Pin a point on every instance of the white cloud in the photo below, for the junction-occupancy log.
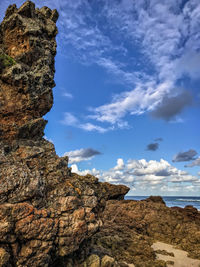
(146, 175)
(143, 98)
(146, 45)
(120, 164)
(71, 120)
(75, 169)
(67, 94)
(189, 64)
(81, 155)
(161, 33)
(89, 127)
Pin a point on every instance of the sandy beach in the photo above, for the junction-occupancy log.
(180, 257)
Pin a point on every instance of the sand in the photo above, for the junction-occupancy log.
(180, 258)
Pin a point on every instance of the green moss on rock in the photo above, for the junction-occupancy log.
(6, 61)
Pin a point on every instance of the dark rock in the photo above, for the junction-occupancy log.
(155, 199)
(116, 191)
(164, 252)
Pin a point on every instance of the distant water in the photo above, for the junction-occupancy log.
(174, 201)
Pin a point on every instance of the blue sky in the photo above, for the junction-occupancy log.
(126, 101)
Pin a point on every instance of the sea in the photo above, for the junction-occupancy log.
(178, 201)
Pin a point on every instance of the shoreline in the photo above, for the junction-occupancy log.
(173, 201)
(173, 256)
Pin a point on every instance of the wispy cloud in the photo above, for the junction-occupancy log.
(146, 45)
(67, 94)
(81, 154)
(143, 98)
(163, 35)
(71, 120)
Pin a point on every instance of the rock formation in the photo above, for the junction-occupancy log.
(50, 216)
(45, 210)
(129, 228)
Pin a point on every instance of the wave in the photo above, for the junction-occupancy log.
(188, 200)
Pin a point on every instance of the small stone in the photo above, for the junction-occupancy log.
(107, 261)
(93, 261)
(54, 15)
(4, 257)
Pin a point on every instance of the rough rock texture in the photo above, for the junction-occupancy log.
(28, 41)
(130, 227)
(45, 210)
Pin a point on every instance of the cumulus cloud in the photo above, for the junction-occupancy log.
(185, 156)
(170, 107)
(145, 175)
(81, 155)
(75, 169)
(120, 164)
(152, 147)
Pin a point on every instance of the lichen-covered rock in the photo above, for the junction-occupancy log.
(107, 261)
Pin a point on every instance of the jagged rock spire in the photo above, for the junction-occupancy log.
(27, 51)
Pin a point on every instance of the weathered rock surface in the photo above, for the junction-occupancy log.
(28, 41)
(131, 227)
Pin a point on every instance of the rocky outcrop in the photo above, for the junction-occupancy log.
(45, 210)
(129, 228)
(27, 51)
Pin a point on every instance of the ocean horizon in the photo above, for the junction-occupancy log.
(171, 201)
